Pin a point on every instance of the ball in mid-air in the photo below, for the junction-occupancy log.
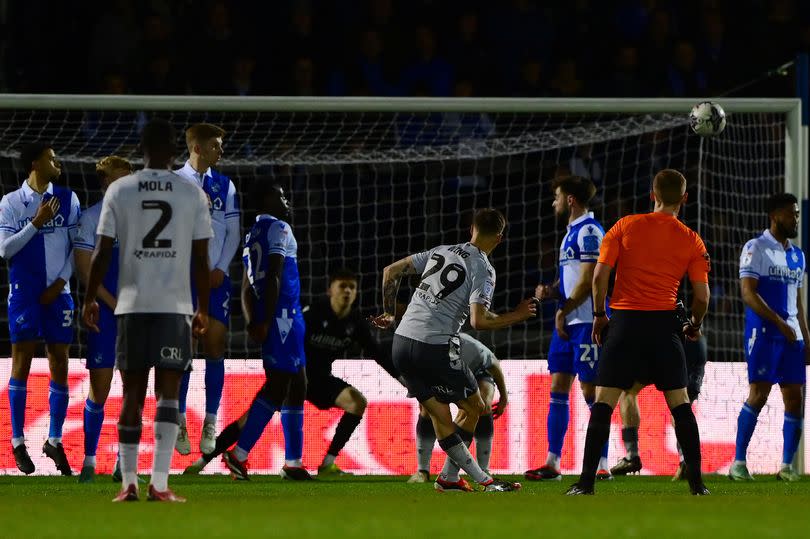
(707, 119)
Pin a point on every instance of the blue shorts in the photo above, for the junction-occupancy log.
(30, 321)
(577, 355)
(219, 301)
(101, 345)
(772, 359)
(284, 348)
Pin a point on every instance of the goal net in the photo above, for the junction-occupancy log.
(374, 180)
(372, 186)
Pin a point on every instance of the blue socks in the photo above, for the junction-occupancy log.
(292, 421)
(181, 399)
(17, 393)
(746, 423)
(557, 422)
(792, 433)
(260, 414)
(214, 382)
(93, 421)
(58, 405)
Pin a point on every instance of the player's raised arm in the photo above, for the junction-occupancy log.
(481, 318)
(392, 276)
(11, 239)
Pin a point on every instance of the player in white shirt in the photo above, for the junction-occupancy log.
(37, 226)
(772, 269)
(162, 225)
(457, 281)
(204, 143)
(487, 372)
(100, 356)
(572, 353)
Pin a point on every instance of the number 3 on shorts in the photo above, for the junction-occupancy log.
(67, 319)
(589, 350)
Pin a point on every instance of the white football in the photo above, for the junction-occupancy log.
(707, 119)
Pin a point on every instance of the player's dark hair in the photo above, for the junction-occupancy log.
(31, 152)
(159, 138)
(669, 185)
(342, 274)
(489, 221)
(262, 188)
(579, 187)
(780, 200)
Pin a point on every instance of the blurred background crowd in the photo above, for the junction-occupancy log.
(564, 48)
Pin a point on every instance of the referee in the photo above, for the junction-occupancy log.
(643, 342)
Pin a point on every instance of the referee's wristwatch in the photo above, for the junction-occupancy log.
(599, 314)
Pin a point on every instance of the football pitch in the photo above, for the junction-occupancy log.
(387, 507)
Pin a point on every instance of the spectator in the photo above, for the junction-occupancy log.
(428, 72)
(626, 80)
(566, 81)
(684, 78)
(531, 82)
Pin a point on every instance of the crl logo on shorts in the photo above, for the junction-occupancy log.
(170, 352)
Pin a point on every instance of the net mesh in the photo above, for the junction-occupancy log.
(369, 188)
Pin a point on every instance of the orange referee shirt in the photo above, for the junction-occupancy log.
(651, 253)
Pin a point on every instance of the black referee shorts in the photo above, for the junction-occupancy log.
(645, 347)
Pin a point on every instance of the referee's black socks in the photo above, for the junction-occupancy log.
(598, 434)
(686, 430)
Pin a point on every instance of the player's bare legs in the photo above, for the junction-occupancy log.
(214, 347)
(557, 424)
(269, 400)
(134, 383)
(100, 382)
(455, 438)
(21, 355)
(425, 440)
(631, 419)
(353, 404)
(485, 428)
(746, 423)
(792, 429)
(166, 425)
(686, 431)
(58, 405)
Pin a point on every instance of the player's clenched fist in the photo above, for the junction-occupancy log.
(527, 308)
(90, 315)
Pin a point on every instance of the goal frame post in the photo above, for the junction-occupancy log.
(796, 130)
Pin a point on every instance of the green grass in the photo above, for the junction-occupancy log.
(386, 507)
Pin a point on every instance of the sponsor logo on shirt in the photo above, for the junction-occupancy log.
(141, 254)
(784, 273)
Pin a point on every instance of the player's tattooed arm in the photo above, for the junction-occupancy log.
(392, 275)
